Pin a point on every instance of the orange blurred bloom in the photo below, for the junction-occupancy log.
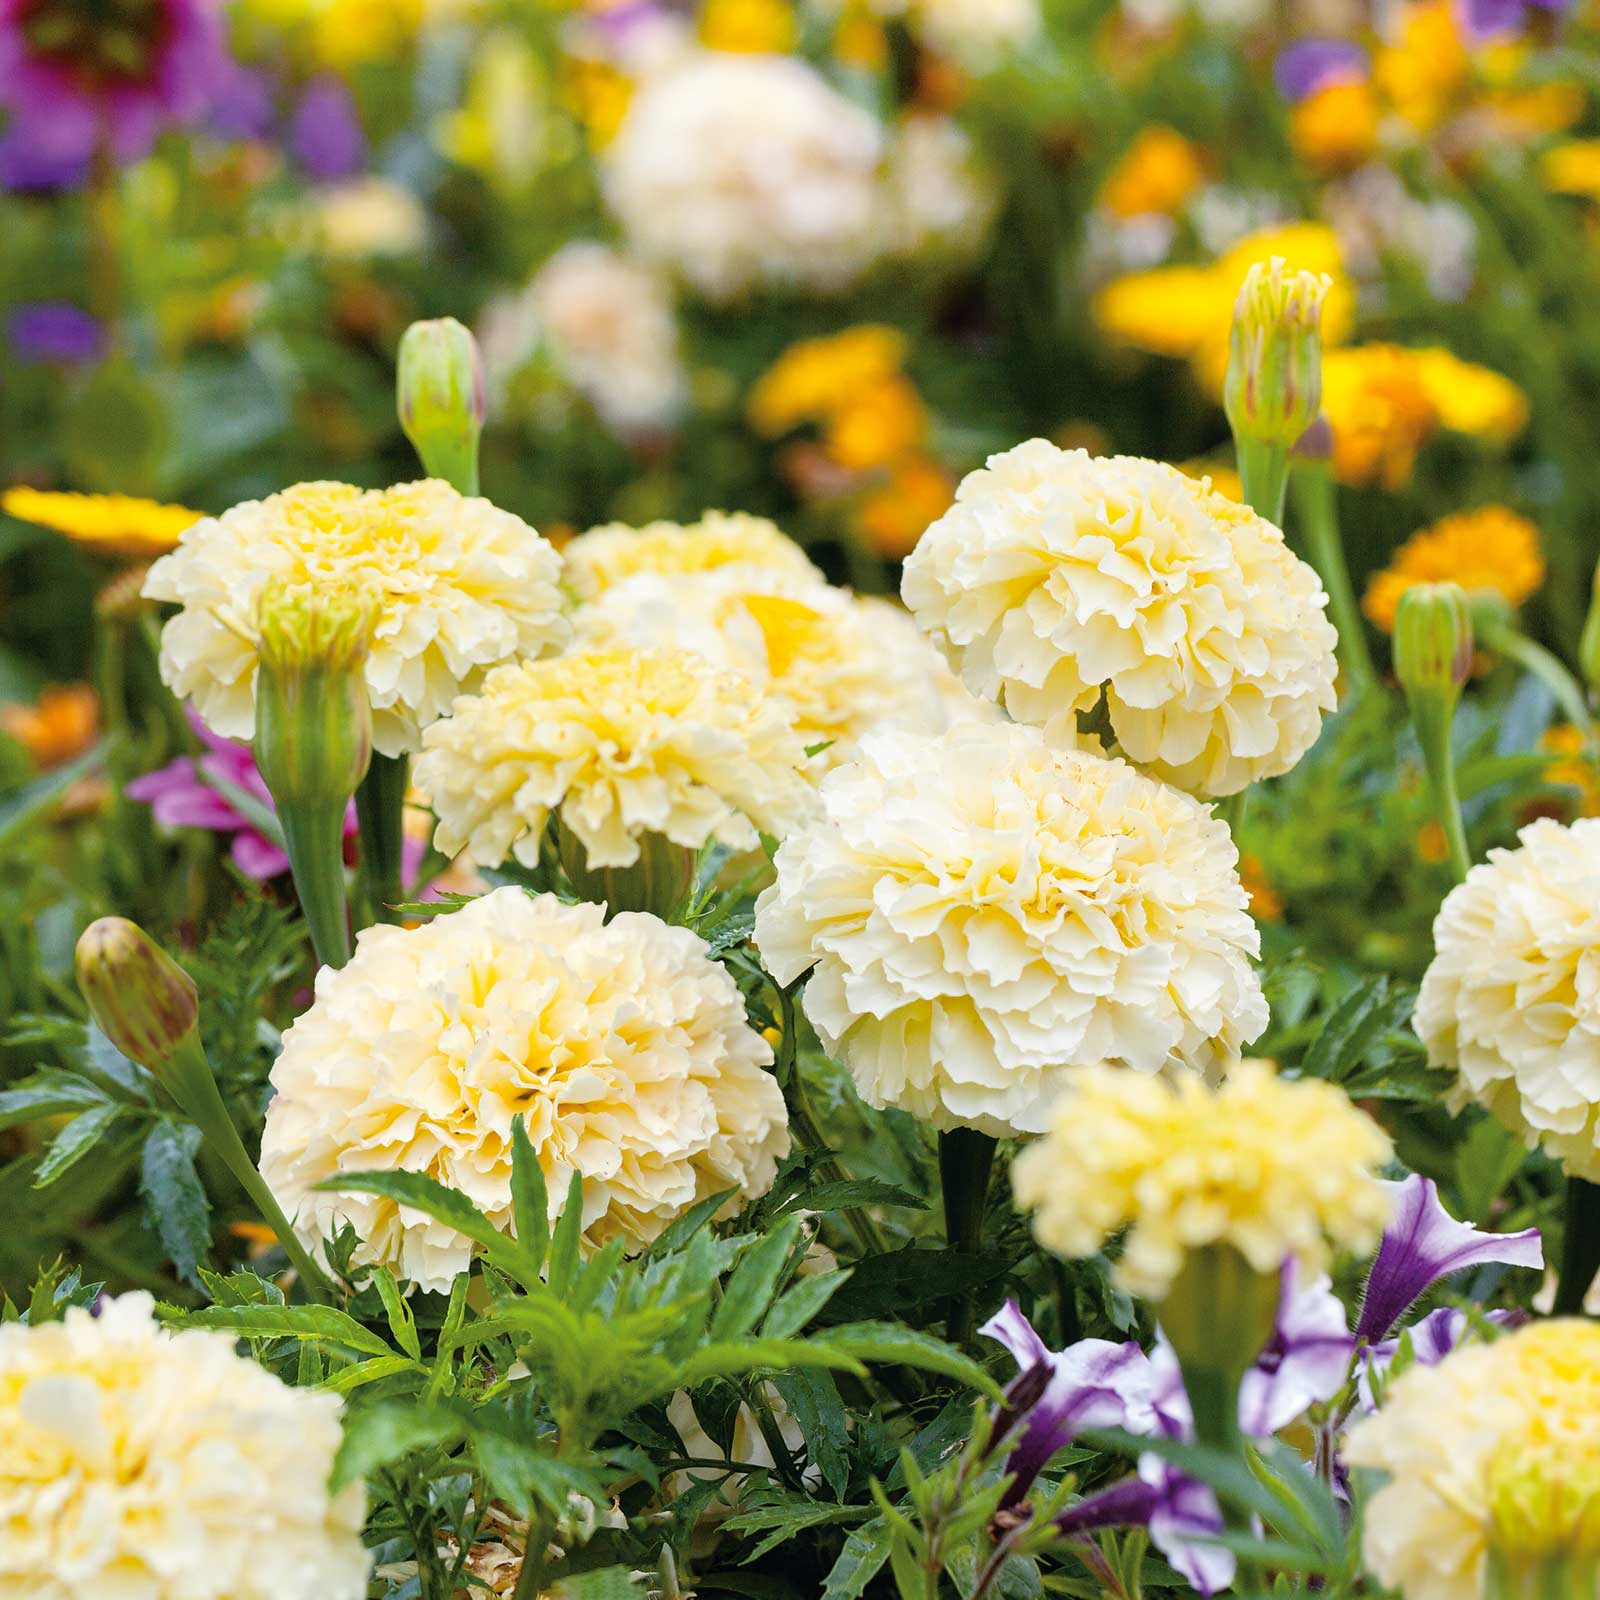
(61, 725)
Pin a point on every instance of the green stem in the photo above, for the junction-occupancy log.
(313, 836)
(1316, 505)
(1232, 810)
(1547, 668)
(966, 1158)
(380, 814)
(1433, 734)
(1580, 1250)
(1263, 476)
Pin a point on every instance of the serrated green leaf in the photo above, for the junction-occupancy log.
(75, 1141)
(861, 1560)
(738, 1356)
(326, 1323)
(43, 1096)
(564, 1241)
(530, 1198)
(604, 1583)
(365, 1372)
(377, 1436)
(1354, 1023)
(689, 1224)
(801, 1301)
(749, 1291)
(175, 1200)
(909, 1347)
(401, 1322)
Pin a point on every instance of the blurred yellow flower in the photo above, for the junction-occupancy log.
(893, 516)
(1490, 549)
(1336, 127)
(62, 724)
(876, 425)
(1422, 72)
(1472, 399)
(342, 33)
(1224, 476)
(1540, 108)
(1266, 904)
(1169, 311)
(1573, 765)
(115, 524)
(861, 42)
(1156, 174)
(762, 26)
(1572, 168)
(599, 95)
(1380, 411)
(813, 377)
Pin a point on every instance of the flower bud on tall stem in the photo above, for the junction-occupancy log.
(441, 399)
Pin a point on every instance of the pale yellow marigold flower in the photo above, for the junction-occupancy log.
(984, 917)
(116, 524)
(458, 584)
(1058, 577)
(1511, 1000)
(1492, 1455)
(1271, 1167)
(1489, 550)
(620, 742)
(622, 1044)
(606, 555)
(138, 1462)
(1157, 174)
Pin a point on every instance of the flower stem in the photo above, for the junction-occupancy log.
(1263, 476)
(1438, 754)
(1580, 1251)
(380, 812)
(1316, 506)
(966, 1158)
(1547, 668)
(313, 836)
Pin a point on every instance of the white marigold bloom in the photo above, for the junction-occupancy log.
(984, 914)
(940, 195)
(365, 217)
(620, 742)
(843, 665)
(1058, 576)
(1511, 1000)
(980, 34)
(1493, 1453)
(742, 171)
(623, 1045)
(606, 555)
(458, 584)
(609, 327)
(151, 1465)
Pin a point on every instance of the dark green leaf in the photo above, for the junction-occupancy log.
(801, 1302)
(75, 1141)
(749, 1291)
(530, 1199)
(888, 1341)
(564, 1241)
(861, 1560)
(325, 1323)
(377, 1436)
(175, 1200)
(46, 1096)
(401, 1323)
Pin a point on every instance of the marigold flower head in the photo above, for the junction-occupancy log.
(620, 742)
(116, 524)
(877, 427)
(1489, 550)
(1511, 1000)
(1380, 410)
(1573, 765)
(622, 1044)
(610, 554)
(753, 26)
(892, 516)
(60, 725)
(1272, 1167)
(1472, 399)
(815, 376)
(1156, 174)
(1423, 71)
(984, 917)
(1572, 167)
(141, 1462)
(1058, 578)
(1336, 127)
(1492, 1456)
(456, 583)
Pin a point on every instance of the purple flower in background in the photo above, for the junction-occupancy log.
(54, 333)
(243, 105)
(27, 165)
(1488, 19)
(1424, 1243)
(325, 132)
(1311, 64)
(1432, 1338)
(77, 78)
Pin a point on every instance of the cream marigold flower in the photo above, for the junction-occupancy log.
(1493, 1452)
(117, 524)
(1489, 550)
(606, 555)
(138, 1462)
(620, 742)
(1511, 1000)
(743, 171)
(1270, 1167)
(1058, 577)
(622, 1044)
(986, 916)
(457, 584)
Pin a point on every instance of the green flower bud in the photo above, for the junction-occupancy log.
(1589, 644)
(1274, 384)
(144, 1002)
(1433, 643)
(441, 398)
(660, 881)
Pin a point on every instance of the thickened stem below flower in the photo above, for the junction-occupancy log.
(1580, 1252)
(1316, 505)
(313, 836)
(1263, 476)
(966, 1158)
(1438, 754)
(380, 807)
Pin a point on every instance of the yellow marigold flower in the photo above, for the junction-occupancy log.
(860, 41)
(1493, 1460)
(620, 742)
(61, 725)
(1156, 174)
(1488, 550)
(894, 515)
(1169, 311)
(117, 524)
(1572, 168)
(762, 26)
(1573, 765)
(1471, 399)
(1536, 110)
(814, 377)
(1272, 1167)
(876, 426)
(606, 555)
(599, 95)
(1380, 410)
(1425, 69)
(1336, 127)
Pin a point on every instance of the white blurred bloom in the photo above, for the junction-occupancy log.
(983, 915)
(980, 34)
(622, 1044)
(367, 216)
(151, 1465)
(940, 196)
(1375, 214)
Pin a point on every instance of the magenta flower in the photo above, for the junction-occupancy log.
(78, 78)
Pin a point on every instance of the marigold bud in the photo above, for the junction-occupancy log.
(1433, 642)
(442, 400)
(144, 1002)
(1274, 384)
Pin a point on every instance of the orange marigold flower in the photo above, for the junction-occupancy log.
(892, 517)
(877, 425)
(62, 724)
(1266, 904)
(1336, 127)
(1573, 764)
(1380, 411)
(1488, 550)
(1156, 174)
(815, 377)
(1472, 399)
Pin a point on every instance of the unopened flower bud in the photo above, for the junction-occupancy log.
(1274, 384)
(1433, 642)
(144, 1002)
(313, 738)
(1315, 445)
(442, 401)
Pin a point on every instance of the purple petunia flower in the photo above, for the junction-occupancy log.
(1305, 1361)
(325, 132)
(1308, 65)
(1424, 1243)
(1490, 19)
(242, 107)
(54, 333)
(75, 83)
